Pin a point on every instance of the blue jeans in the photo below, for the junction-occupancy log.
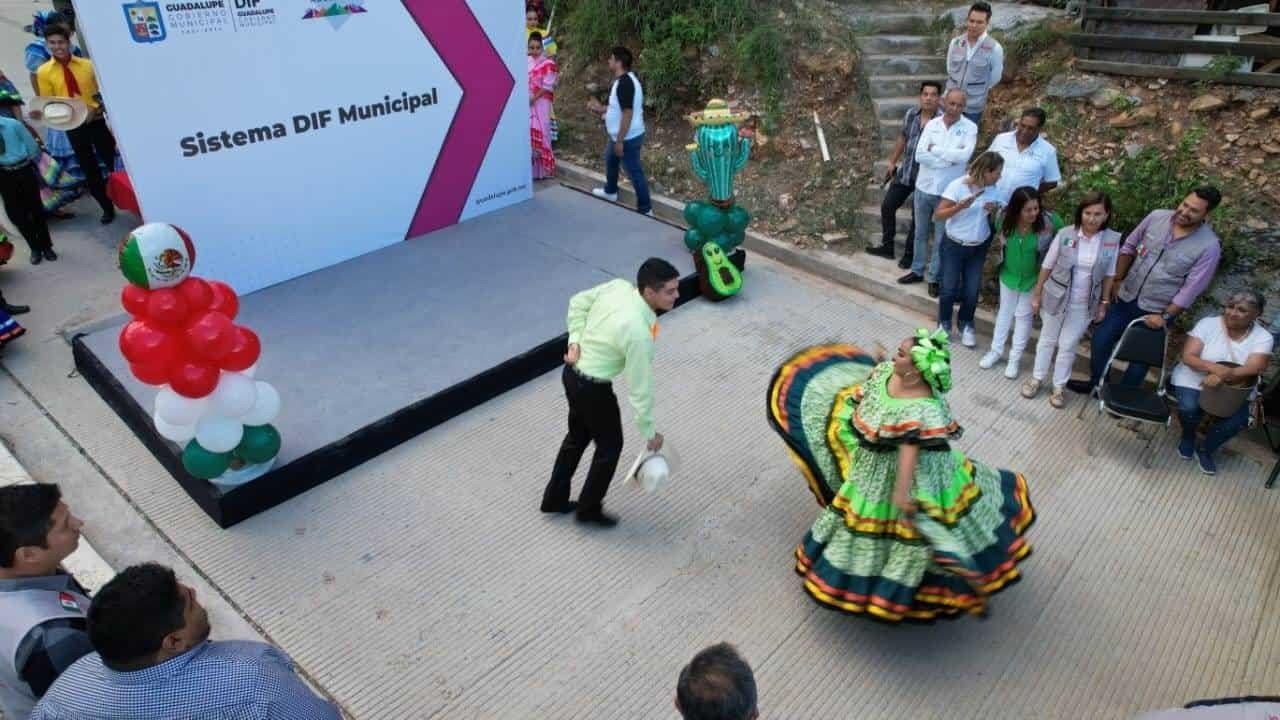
(1222, 430)
(961, 280)
(630, 161)
(1105, 337)
(924, 205)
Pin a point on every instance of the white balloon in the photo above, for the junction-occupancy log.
(176, 433)
(218, 434)
(266, 408)
(179, 410)
(234, 396)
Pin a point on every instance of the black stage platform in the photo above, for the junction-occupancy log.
(374, 351)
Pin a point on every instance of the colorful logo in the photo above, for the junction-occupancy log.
(336, 13)
(146, 25)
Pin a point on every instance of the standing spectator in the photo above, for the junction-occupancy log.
(717, 685)
(66, 75)
(154, 661)
(1029, 160)
(967, 206)
(975, 61)
(542, 84)
(1023, 237)
(20, 187)
(902, 177)
(612, 329)
(1073, 290)
(944, 149)
(533, 23)
(1166, 262)
(42, 609)
(1229, 348)
(67, 183)
(624, 124)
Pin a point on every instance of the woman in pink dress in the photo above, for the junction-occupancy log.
(542, 83)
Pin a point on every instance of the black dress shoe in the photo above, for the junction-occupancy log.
(598, 517)
(933, 290)
(910, 279)
(564, 509)
(50, 255)
(108, 217)
(37, 257)
(14, 309)
(905, 262)
(1081, 387)
(884, 251)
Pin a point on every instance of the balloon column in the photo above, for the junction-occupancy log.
(718, 226)
(183, 339)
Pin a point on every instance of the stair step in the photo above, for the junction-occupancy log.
(873, 22)
(897, 44)
(935, 65)
(897, 85)
(894, 108)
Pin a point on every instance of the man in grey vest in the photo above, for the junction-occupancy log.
(43, 629)
(1166, 263)
(975, 62)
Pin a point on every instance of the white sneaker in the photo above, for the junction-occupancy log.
(969, 338)
(1011, 370)
(989, 360)
(600, 193)
(648, 214)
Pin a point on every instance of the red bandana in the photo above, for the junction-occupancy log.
(73, 87)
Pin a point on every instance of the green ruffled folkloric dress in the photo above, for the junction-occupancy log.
(831, 406)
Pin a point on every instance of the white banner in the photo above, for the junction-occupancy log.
(289, 135)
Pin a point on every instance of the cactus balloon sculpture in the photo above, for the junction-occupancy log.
(719, 225)
(182, 339)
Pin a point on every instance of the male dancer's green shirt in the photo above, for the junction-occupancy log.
(614, 329)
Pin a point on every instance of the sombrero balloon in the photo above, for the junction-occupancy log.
(157, 255)
(717, 112)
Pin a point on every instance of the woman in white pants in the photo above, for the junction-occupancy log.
(1022, 239)
(1072, 291)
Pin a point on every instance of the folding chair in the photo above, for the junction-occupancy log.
(1267, 413)
(1138, 344)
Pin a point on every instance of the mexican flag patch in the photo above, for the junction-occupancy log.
(68, 602)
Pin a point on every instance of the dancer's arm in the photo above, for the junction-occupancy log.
(908, 455)
(640, 381)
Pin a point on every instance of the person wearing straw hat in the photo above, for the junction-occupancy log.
(66, 76)
(20, 187)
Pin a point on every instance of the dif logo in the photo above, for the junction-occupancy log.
(146, 24)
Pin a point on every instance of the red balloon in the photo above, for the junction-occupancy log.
(210, 336)
(224, 299)
(193, 378)
(244, 352)
(150, 374)
(134, 300)
(141, 341)
(196, 292)
(167, 307)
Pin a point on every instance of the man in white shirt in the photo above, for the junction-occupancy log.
(975, 61)
(1029, 160)
(943, 152)
(624, 124)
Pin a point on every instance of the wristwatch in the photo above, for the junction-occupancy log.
(1166, 317)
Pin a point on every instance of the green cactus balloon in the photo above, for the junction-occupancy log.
(718, 153)
(718, 226)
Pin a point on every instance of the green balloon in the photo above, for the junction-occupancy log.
(204, 464)
(691, 214)
(738, 220)
(693, 239)
(710, 221)
(260, 443)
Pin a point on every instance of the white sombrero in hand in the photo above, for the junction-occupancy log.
(59, 113)
(651, 470)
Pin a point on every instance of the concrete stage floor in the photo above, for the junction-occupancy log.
(425, 584)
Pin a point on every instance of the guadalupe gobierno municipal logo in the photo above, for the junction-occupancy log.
(146, 24)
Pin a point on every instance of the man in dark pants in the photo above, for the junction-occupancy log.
(624, 124)
(65, 75)
(612, 328)
(902, 178)
(20, 187)
(1165, 264)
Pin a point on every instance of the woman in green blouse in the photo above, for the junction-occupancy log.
(1024, 235)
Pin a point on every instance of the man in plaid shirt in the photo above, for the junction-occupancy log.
(42, 609)
(154, 661)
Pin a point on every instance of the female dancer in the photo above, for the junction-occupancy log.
(542, 83)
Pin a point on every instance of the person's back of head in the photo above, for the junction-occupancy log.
(654, 273)
(143, 617)
(717, 685)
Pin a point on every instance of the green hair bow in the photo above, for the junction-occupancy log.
(932, 358)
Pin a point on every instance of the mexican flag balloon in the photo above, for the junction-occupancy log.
(183, 339)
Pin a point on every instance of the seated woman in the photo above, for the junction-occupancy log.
(1229, 348)
(910, 527)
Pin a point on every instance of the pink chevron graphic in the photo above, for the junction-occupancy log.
(456, 34)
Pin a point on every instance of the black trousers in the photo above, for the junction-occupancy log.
(593, 417)
(20, 190)
(894, 198)
(93, 142)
